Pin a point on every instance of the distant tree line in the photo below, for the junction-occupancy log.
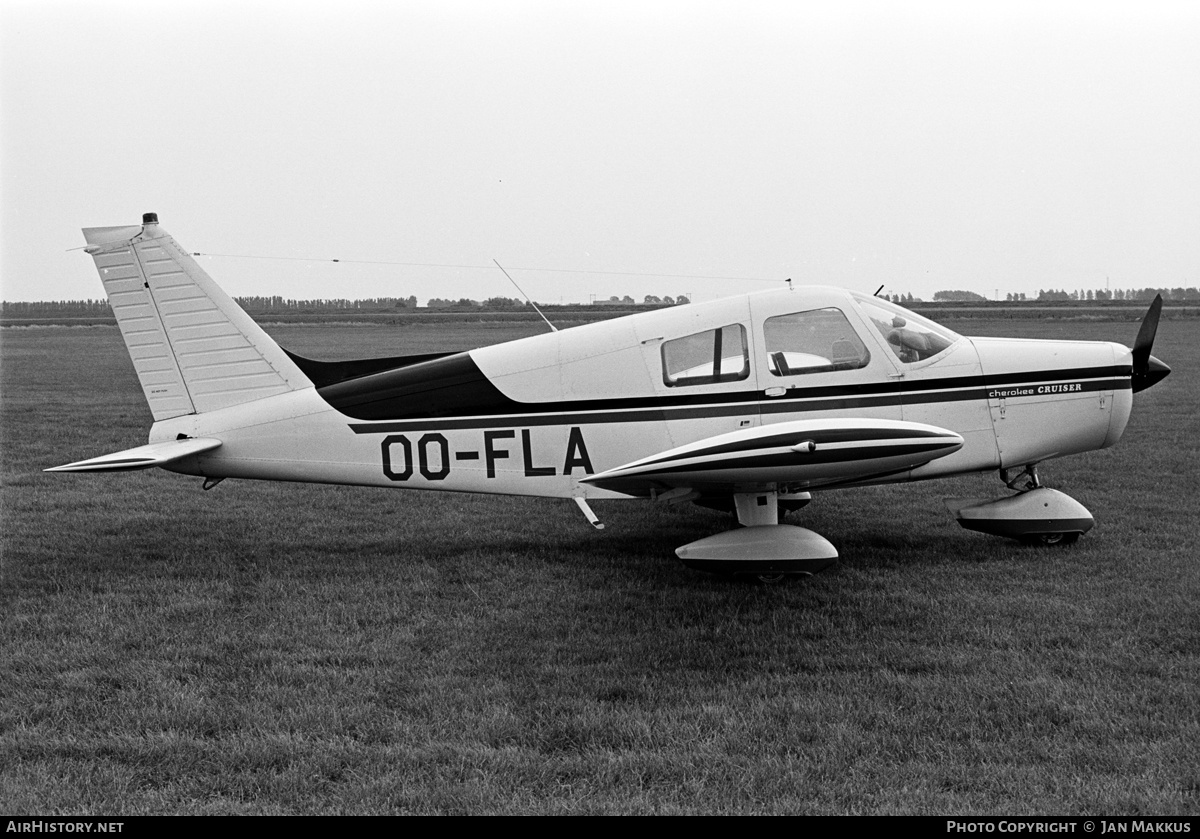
(648, 300)
(1101, 294)
(267, 305)
(466, 303)
(57, 308)
(253, 305)
(1050, 295)
(280, 305)
(958, 297)
(287, 306)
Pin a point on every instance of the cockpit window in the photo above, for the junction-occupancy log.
(911, 337)
(813, 342)
(718, 355)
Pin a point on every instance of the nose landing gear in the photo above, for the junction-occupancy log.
(1036, 515)
(1027, 474)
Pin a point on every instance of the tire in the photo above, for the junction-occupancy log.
(1053, 539)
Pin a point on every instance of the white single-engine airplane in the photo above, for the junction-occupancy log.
(750, 404)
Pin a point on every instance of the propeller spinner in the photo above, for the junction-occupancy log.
(1148, 370)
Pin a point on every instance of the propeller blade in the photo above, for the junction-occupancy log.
(1148, 370)
(1145, 337)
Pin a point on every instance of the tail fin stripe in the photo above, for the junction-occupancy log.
(183, 310)
(130, 333)
(204, 359)
(224, 366)
(222, 387)
(181, 292)
(206, 343)
(198, 322)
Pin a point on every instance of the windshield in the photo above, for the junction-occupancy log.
(911, 337)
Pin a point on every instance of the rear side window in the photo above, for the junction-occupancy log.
(813, 342)
(718, 355)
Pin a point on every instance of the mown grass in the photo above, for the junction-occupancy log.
(273, 648)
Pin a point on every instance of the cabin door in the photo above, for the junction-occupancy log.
(816, 362)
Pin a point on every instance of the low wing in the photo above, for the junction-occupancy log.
(143, 457)
(801, 453)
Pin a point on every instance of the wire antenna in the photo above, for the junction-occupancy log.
(528, 300)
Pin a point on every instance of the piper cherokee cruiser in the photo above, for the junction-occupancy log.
(752, 403)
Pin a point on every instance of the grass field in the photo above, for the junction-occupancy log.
(275, 648)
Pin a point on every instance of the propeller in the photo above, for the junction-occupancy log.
(1148, 370)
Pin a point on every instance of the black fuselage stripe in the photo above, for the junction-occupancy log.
(452, 388)
(750, 402)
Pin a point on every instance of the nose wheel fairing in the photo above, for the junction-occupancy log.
(1041, 515)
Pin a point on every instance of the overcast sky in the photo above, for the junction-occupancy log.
(632, 148)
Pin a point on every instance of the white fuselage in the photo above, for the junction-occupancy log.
(553, 409)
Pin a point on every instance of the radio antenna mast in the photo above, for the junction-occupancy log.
(553, 328)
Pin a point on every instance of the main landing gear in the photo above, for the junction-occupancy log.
(1036, 515)
(770, 551)
(762, 547)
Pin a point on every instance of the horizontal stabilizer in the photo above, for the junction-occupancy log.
(143, 457)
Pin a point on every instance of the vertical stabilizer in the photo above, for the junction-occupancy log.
(194, 349)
